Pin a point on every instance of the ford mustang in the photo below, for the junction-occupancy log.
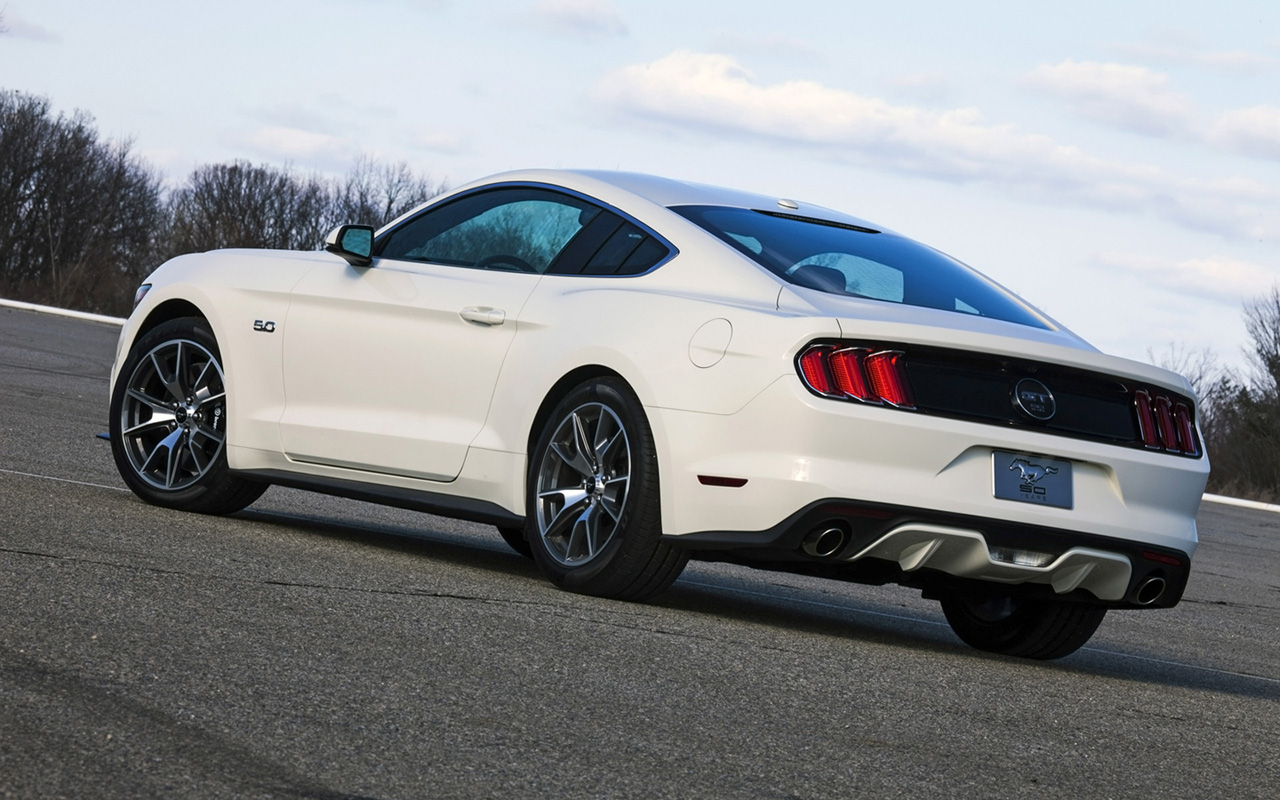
(621, 372)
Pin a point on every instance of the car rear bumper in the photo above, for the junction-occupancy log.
(916, 492)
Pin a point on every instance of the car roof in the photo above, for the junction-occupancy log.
(667, 192)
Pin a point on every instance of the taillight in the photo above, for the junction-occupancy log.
(813, 368)
(1164, 425)
(848, 371)
(857, 373)
(888, 374)
(1186, 430)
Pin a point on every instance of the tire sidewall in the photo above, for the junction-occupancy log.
(637, 530)
(186, 328)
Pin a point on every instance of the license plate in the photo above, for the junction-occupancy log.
(1032, 479)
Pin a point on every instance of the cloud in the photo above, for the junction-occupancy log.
(777, 46)
(295, 144)
(580, 19)
(715, 94)
(13, 25)
(1226, 279)
(1130, 97)
(447, 142)
(1249, 131)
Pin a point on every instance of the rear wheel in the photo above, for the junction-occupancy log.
(1039, 628)
(168, 422)
(594, 521)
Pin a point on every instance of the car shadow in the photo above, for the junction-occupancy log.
(746, 595)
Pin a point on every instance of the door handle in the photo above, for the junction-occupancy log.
(483, 315)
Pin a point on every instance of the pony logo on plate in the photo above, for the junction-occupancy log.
(1033, 479)
(1031, 473)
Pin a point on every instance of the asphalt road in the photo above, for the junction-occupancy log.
(310, 647)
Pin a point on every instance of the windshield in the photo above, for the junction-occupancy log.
(859, 262)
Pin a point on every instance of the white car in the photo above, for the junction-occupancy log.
(620, 371)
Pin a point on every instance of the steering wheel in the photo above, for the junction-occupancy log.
(502, 261)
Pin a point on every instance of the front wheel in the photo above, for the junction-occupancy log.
(1040, 628)
(168, 422)
(594, 520)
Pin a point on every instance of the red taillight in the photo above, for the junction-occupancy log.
(1146, 419)
(887, 371)
(857, 373)
(847, 369)
(813, 366)
(1162, 424)
(1186, 430)
(1164, 418)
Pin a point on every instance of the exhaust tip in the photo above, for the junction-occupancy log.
(1150, 590)
(823, 541)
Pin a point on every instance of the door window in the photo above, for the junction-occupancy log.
(520, 229)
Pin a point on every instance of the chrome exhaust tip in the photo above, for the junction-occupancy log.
(1150, 590)
(823, 541)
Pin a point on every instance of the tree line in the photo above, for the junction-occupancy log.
(83, 220)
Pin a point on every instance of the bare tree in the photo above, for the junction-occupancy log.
(78, 216)
(242, 205)
(373, 194)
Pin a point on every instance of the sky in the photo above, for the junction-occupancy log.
(1115, 163)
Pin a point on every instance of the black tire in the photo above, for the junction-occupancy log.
(1027, 627)
(594, 519)
(515, 537)
(168, 422)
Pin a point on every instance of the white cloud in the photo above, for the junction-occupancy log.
(1225, 279)
(716, 94)
(777, 46)
(447, 142)
(1130, 97)
(13, 25)
(1250, 131)
(582, 19)
(295, 144)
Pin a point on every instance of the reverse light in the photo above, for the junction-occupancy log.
(1022, 558)
(857, 373)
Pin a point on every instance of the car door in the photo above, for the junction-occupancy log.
(391, 368)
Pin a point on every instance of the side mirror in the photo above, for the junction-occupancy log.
(352, 242)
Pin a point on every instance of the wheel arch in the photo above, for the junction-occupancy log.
(557, 392)
(174, 308)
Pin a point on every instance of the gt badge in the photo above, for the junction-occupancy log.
(1034, 399)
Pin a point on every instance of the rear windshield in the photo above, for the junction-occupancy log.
(858, 262)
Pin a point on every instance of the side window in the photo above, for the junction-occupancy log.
(520, 229)
(628, 251)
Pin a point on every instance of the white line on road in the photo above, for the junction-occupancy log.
(62, 480)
